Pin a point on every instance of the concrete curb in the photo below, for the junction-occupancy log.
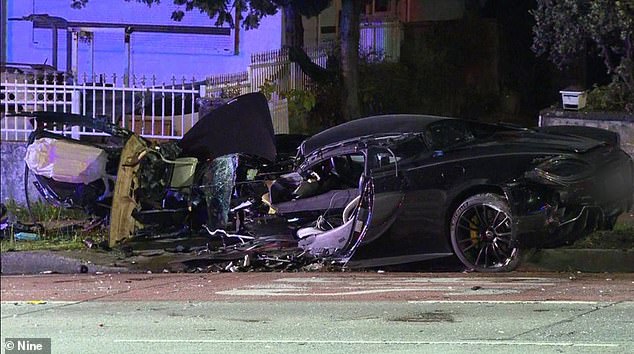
(37, 262)
(554, 260)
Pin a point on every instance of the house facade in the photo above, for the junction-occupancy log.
(129, 39)
(132, 39)
(324, 28)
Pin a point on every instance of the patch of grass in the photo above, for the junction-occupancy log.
(43, 212)
(59, 228)
(621, 237)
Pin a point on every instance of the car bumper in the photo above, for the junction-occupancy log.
(541, 220)
(543, 230)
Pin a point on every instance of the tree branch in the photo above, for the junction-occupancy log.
(315, 72)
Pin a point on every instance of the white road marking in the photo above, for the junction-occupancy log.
(370, 342)
(373, 284)
(376, 279)
(511, 302)
(294, 292)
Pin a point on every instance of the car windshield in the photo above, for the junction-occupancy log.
(452, 133)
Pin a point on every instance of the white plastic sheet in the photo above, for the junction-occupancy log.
(65, 161)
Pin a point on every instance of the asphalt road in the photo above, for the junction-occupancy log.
(322, 312)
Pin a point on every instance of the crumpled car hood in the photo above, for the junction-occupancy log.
(243, 125)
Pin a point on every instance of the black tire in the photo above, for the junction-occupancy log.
(481, 234)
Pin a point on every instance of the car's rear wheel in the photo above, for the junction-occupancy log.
(481, 234)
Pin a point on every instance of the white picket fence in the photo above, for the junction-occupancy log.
(276, 67)
(154, 111)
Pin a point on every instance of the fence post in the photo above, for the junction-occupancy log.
(252, 78)
(75, 108)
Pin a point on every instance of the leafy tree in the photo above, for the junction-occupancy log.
(249, 13)
(565, 29)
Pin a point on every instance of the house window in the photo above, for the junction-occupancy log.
(379, 8)
(328, 29)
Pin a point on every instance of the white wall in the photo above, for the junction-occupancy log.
(313, 25)
(157, 54)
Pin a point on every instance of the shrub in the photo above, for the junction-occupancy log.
(612, 97)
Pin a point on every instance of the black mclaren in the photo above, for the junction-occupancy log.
(403, 188)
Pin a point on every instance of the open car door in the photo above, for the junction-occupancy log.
(342, 241)
(366, 216)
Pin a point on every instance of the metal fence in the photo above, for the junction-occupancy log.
(275, 67)
(228, 85)
(153, 111)
(267, 68)
(381, 41)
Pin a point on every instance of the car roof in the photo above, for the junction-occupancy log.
(370, 126)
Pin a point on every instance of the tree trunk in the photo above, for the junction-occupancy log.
(349, 40)
(294, 28)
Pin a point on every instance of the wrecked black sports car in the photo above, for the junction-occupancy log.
(403, 188)
(146, 188)
(381, 190)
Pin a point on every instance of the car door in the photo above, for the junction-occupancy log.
(387, 186)
(340, 241)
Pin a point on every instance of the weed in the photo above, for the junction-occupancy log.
(57, 228)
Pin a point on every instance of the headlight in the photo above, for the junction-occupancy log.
(563, 170)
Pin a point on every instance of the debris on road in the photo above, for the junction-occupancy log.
(36, 302)
(26, 236)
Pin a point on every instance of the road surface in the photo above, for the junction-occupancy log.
(322, 312)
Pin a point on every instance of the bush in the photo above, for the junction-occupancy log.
(612, 97)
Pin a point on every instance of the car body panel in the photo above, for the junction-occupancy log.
(123, 202)
(242, 125)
